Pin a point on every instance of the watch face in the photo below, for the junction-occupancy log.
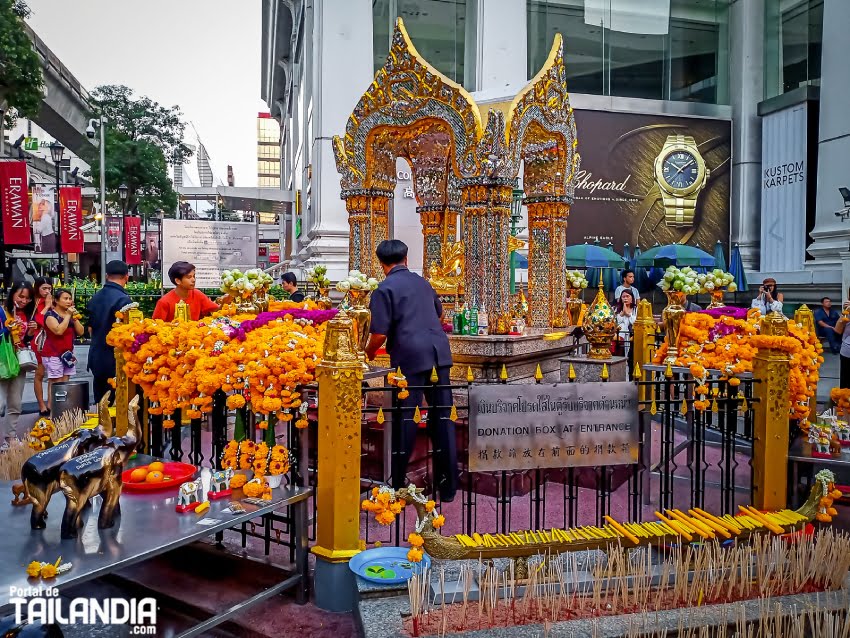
(680, 169)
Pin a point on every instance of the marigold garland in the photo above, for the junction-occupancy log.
(729, 345)
(180, 365)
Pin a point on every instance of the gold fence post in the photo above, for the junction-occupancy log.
(643, 340)
(124, 388)
(340, 378)
(771, 368)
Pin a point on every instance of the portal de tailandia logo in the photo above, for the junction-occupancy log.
(43, 606)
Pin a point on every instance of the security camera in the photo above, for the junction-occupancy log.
(90, 132)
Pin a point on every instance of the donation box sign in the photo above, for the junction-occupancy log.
(522, 427)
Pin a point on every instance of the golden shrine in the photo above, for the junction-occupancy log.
(465, 168)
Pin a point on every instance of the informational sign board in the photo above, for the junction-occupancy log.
(523, 427)
(211, 246)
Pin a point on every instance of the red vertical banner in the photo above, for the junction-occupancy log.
(133, 241)
(14, 200)
(71, 219)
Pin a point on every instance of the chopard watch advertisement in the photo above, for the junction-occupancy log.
(650, 178)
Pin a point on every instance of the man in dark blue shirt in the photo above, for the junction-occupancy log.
(102, 308)
(406, 314)
(825, 319)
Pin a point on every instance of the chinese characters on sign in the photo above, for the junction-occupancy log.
(550, 426)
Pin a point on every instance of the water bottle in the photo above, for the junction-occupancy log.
(473, 321)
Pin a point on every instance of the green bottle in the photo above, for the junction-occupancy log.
(457, 322)
(473, 322)
(467, 319)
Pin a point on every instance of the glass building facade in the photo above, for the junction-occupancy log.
(268, 151)
(793, 45)
(655, 49)
(443, 32)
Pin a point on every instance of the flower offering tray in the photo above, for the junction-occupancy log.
(387, 565)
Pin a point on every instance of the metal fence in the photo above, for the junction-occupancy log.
(688, 458)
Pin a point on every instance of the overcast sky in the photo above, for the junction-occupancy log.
(203, 55)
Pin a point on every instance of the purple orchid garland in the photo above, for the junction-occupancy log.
(265, 318)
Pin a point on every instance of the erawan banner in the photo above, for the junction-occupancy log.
(71, 218)
(641, 182)
(783, 189)
(133, 241)
(14, 201)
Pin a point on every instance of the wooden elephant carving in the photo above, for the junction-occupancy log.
(98, 472)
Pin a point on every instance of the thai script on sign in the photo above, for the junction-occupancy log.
(546, 403)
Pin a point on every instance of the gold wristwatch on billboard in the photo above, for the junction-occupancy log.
(681, 174)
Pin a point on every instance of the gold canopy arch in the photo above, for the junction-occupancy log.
(461, 167)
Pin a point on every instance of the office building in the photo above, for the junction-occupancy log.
(760, 84)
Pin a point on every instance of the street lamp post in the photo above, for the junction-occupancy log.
(91, 133)
(56, 153)
(122, 196)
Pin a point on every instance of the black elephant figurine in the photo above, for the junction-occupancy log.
(40, 474)
(98, 472)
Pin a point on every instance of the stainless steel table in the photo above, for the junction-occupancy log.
(148, 526)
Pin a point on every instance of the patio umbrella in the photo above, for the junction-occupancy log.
(719, 256)
(592, 256)
(736, 269)
(641, 276)
(676, 255)
(610, 276)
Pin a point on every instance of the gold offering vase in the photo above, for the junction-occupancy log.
(573, 308)
(361, 316)
(671, 316)
(600, 326)
(717, 299)
(323, 301)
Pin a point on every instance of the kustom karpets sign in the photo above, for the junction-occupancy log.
(44, 606)
(550, 426)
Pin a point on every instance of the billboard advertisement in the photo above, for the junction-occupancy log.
(651, 178)
(44, 223)
(211, 246)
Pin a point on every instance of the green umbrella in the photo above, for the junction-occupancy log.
(719, 256)
(676, 255)
(592, 256)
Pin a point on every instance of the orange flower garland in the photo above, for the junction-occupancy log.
(180, 365)
(841, 398)
(730, 345)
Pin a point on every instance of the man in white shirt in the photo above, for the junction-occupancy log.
(628, 280)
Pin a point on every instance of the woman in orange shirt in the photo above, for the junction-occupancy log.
(182, 275)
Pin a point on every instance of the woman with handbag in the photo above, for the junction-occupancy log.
(62, 323)
(44, 302)
(14, 332)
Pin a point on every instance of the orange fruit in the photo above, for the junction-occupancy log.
(154, 477)
(138, 475)
(156, 466)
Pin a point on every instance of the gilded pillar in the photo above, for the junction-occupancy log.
(432, 237)
(771, 368)
(339, 377)
(368, 226)
(486, 228)
(547, 261)
(643, 341)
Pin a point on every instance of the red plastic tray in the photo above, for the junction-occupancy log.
(179, 473)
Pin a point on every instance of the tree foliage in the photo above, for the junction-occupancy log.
(21, 76)
(142, 139)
